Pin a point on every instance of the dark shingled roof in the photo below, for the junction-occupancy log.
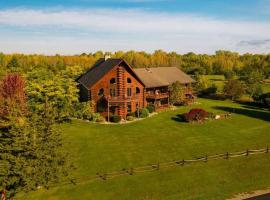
(95, 73)
(162, 76)
(101, 68)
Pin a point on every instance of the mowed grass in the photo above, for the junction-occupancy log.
(105, 148)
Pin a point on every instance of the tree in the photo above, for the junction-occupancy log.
(254, 90)
(177, 95)
(31, 153)
(13, 64)
(229, 75)
(234, 89)
(12, 99)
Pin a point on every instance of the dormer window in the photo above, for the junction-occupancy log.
(112, 81)
(128, 80)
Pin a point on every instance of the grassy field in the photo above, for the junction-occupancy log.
(219, 81)
(104, 148)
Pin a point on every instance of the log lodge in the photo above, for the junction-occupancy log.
(118, 89)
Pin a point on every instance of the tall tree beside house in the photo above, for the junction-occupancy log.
(52, 162)
(61, 91)
(30, 145)
(177, 94)
(15, 139)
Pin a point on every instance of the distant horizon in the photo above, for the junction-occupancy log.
(76, 26)
(113, 52)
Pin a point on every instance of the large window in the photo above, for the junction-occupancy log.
(112, 81)
(129, 108)
(137, 90)
(129, 92)
(113, 92)
(128, 80)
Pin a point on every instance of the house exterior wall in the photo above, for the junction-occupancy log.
(121, 102)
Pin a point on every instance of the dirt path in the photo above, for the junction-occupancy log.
(256, 195)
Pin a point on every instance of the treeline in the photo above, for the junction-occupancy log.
(219, 63)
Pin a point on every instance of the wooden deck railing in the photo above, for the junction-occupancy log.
(123, 98)
(157, 95)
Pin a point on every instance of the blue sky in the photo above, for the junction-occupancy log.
(73, 27)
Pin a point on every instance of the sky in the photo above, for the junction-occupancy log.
(85, 26)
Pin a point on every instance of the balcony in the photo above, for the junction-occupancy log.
(159, 95)
(122, 99)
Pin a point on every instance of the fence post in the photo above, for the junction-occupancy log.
(206, 159)
(131, 171)
(158, 166)
(183, 162)
(227, 156)
(104, 177)
(247, 152)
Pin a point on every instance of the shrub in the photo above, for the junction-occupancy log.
(95, 117)
(130, 118)
(211, 115)
(234, 89)
(84, 110)
(100, 119)
(132, 114)
(195, 114)
(150, 108)
(210, 90)
(115, 118)
(144, 113)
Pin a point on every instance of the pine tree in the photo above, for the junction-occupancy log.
(31, 153)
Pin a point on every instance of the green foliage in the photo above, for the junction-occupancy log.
(177, 95)
(202, 83)
(234, 89)
(100, 119)
(254, 90)
(130, 118)
(84, 110)
(62, 93)
(144, 113)
(96, 117)
(115, 118)
(229, 75)
(133, 114)
(150, 107)
(210, 90)
(30, 146)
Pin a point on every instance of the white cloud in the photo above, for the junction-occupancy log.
(126, 29)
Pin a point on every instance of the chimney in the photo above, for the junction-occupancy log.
(107, 57)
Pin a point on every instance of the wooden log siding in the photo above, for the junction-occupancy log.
(121, 100)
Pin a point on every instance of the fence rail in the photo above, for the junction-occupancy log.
(162, 165)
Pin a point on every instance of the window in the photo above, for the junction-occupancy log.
(113, 92)
(137, 90)
(112, 81)
(129, 92)
(101, 92)
(128, 80)
(129, 108)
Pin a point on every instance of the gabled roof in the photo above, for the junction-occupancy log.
(162, 76)
(101, 68)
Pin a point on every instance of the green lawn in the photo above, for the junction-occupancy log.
(104, 148)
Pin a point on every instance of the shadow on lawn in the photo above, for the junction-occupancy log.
(258, 114)
(178, 118)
